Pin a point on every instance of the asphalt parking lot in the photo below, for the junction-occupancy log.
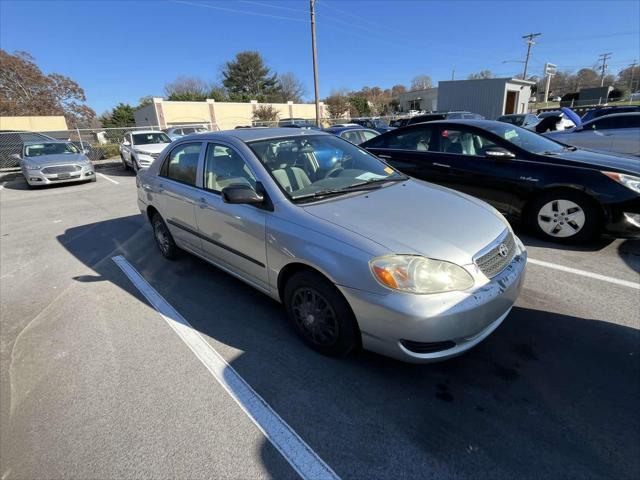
(96, 384)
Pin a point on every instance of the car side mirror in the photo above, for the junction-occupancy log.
(125, 143)
(498, 153)
(16, 156)
(241, 194)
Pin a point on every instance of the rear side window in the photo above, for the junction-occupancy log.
(182, 163)
(416, 139)
(608, 123)
(352, 136)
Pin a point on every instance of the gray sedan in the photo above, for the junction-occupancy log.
(48, 163)
(358, 253)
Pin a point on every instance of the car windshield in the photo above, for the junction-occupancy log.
(513, 119)
(525, 139)
(149, 138)
(308, 167)
(58, 148)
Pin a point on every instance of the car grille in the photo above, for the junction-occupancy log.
(61, 169)
(497, 258)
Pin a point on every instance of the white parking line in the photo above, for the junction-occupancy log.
(293, 448)
(584, 273)
(108, 178)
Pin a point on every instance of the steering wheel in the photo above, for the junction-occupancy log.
(333, 173)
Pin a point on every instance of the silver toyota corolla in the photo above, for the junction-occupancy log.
(358, 253)
(48, 163)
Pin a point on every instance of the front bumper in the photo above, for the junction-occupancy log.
(456, 320)
(623, 219)
(36, 177)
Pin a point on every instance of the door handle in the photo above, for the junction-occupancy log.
(436, 164)
(202, 202)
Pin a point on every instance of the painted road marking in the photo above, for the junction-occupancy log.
(584, 273)
(108, 178)
(293, 448)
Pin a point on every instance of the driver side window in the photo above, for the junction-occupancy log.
(463, 142)
(223, 166)
(418, 140)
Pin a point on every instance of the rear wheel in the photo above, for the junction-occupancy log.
(564, 216)
(320, 314)
(164, 239)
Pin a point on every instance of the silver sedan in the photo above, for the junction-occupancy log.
(49, 163)
(358, 253)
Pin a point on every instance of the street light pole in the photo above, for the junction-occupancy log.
(530, 43)
(315, 58)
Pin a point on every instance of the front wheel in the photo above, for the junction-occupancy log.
(564, 216)
(320, 314)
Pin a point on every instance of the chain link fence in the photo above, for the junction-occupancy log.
(103, 144)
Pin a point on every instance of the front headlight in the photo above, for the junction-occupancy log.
(416, 274)
(629, 181)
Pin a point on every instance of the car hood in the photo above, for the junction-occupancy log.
(150, 148)
(59, 159)
(599, 160)
(416, 217)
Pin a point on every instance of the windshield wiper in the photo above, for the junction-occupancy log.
(319, 194)
(371, 181)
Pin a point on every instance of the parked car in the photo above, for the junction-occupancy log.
(552, 121)
(618, 133)
(139, 149)
(635, 96)
(358, 253)
(53, 162)
(354, 134)
(399, 122)
(377, 124)
(298, 123)
(430, 117)
(176, 132)
(12, 145)
(524, 120)
(562, 193)
(602, 111)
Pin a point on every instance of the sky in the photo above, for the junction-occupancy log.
(119, 51)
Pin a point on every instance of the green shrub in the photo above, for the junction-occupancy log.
(108, 150)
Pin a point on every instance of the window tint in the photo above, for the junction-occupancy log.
(223, 166)
(607, 123)
(463, 142)
(415, 139)
(352, 136)
(368, 134)
(188, 130)
(182, 163)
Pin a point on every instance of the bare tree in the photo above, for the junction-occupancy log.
(421, 82)
(482, 74)
(25, 90)
(187, 89)
(290, 89)
(266, 113)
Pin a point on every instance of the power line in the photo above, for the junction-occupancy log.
(269, 5)
(244, 12)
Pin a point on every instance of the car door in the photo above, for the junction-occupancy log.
(461, 163)
(177, 194)
(407, 150)
(593, 135)
(625, 132)
(233, 236)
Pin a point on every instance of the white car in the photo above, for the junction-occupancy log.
(635, 96)
(139, 149)
(617, 133)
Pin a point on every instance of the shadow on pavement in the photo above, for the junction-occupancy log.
(595, 245)
(547, 395)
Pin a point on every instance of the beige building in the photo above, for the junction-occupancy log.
(34, 124)
(216, 115)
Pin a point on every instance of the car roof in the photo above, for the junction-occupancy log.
(474, 122)
(345, 127)
(46, 141)
(147, 131)
(617, 115)
(252, 134)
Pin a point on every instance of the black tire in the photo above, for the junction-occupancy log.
(335, 332)
(163, 238)
(550, 210)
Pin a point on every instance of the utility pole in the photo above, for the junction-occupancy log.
(603, 57)
(453, 74)
(530, 43)
(315, 58)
